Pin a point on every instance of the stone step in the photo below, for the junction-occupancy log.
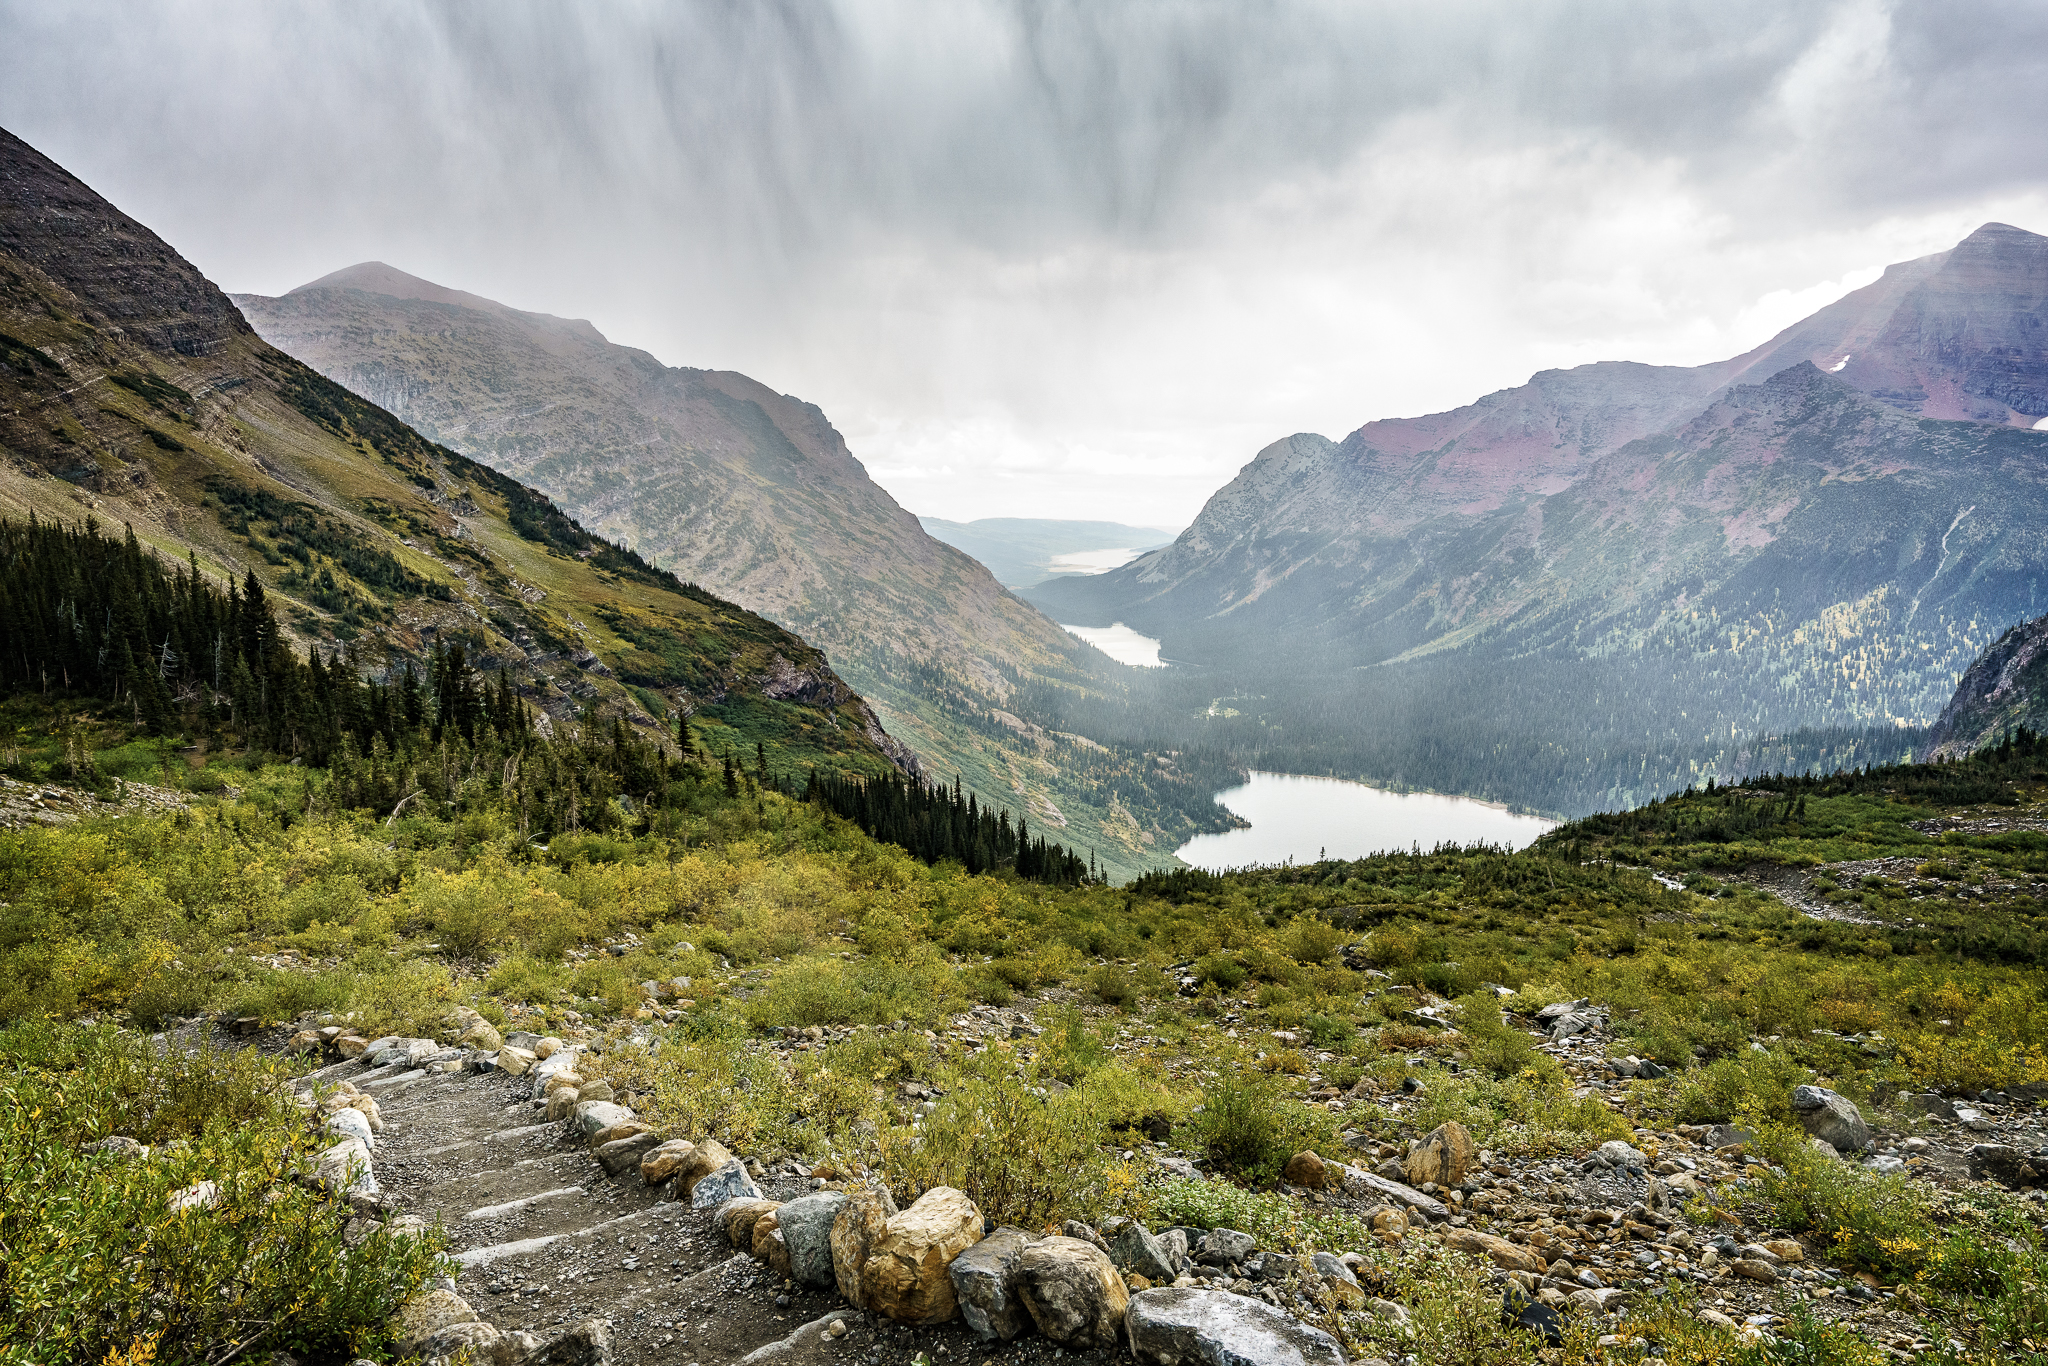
(524, 1202)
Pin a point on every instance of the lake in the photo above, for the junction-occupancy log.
(1300, 818)
(1121, 644)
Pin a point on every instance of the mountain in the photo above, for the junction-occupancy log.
(1619, 571)
(755, 496)
(132, 390)
(1022, 551)
(2005, 689)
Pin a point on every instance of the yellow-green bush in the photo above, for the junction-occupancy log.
(97, 1264)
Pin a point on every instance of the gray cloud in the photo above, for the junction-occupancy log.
(1041, 256)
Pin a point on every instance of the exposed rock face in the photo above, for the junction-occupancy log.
(1831, 1118)
(985, 1284)
(2004, 689)
(1173, 1327)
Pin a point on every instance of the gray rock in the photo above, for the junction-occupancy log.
(985, 1284)
(1887, 1166)
(1072, 1293)
(1728, 1135)
(595, 1116)
(345, 1168)
(1365, 1185)
(1141, 1254)
(1832, 1118)
(588, 1343)
(1332, 1268)
(729, 1182)
(1617, 1153)
(120, 1145)
(1193, 1327)
(1222, 1246)
(623, 1154)
(1074, 1228)
(350, 1123)
(807, 1232)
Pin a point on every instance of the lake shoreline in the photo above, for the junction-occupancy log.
(1299, 817)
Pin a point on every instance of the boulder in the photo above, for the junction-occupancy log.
(706, 1158)
(119, 1145)
(588, 1343)
(1192, 1327)
(1072, 1292)
(738, 1217)
(483, 1035)
(562, 1102)
(1504, 1253)
(345, 1168)
(1443, 1157)
(857, 1229)
(628, 1128)
(1360, 1184)
(427, 1313)
(807, 1231)
(350, 1046)
(1222, 1246)
(729, 1182)
(1931, 1104)
(198, 1195)
(1831, 1118)
(1305, 1169)
(465, 1342)
(595, 1116)
(597, 1088)
(770, 1248)
(1141, 1254)
(547, 1046)
(903, 1275)
(985, 1284)
(1616, 1153)
(349, 1122)
(622, 1154)
(664, 1160)
(1087, 1233)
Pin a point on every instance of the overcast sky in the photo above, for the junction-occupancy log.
(1068, 259)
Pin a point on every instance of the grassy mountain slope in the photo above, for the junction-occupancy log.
(132, 390)
(754, 495)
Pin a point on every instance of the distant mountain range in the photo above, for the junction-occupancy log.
(132, 391)
(1023, 551)
(1593, 587)
(755, 496)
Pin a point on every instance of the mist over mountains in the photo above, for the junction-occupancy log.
(1605, 582)
(754, 495)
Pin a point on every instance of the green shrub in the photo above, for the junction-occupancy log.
(916, 986)
(1250, 1127)
(1026, 1154)
(99, 1269)
(1277, 1221)
(1876, 1222)
(1748, 1087)
(1221, 968)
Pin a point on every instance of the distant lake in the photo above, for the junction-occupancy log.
(1121, 644)
(1301, 818)
(1093, 561)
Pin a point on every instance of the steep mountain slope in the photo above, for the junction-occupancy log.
(132, 390)
(2006, 688)
(754, 495)
(1824, 531)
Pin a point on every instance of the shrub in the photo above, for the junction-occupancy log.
(1750, 1087)
(1026, 1156)
(97, 1265)
(1877, 1222)
(1222, 969)
(1313, 939)
(916, 986)
(1277, 1221)
(1248, 1126)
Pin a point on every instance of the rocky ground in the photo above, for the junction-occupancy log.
(578, 1234)
(23, 804)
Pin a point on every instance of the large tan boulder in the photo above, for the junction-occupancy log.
(704, 1159)
(665, 1161)
(899, 1262)
(1443, 1157)
(427, 1313)
(1072, 1292)
(1305, 1169)
(1504, 1253)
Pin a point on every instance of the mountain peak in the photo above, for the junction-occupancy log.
(375, 277)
